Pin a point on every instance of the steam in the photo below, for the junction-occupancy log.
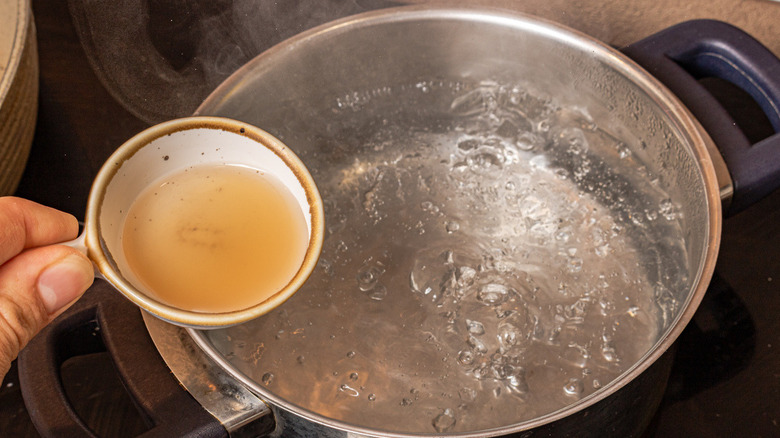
(160, 59)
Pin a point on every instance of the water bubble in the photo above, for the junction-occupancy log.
(368, 275)
(517, 381)
(465, 276)
(429, 207)
(482, 372)
(452, 226)
(475, 327)
(476, 344)
(575, 140)
(563, 235)
(527, 141)
(493, 294)
(606, 306)
(378, 293)
(350, 391)
(326, 267)
(574, 264)
(484, 161)
(555, 334)
(576, 312)
(468, 144)
(350, 354)
(444, 421)
(466, 357)
(508, 335)
(574, 387)
(467, 394)
(474, 102)
(623, 151)
(651, 215)
(667, 210)
(576, 354)
(561, 173)
(267, 378)
(353, 376)
(371, 397)
(608, 351)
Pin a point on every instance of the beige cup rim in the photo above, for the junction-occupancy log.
(100, 256)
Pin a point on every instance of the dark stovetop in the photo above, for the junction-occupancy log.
(726, 377)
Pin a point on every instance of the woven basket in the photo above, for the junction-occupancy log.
(18, 90)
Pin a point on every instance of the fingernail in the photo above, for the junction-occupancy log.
(64, 281)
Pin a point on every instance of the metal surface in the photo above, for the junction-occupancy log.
(240, 412)
(600, 66)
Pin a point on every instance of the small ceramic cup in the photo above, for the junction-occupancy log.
(169, 148)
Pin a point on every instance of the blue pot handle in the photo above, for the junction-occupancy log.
(684, 53)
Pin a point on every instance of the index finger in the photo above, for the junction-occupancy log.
(27, 224)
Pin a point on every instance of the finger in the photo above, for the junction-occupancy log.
(26, 224)
(35, 287)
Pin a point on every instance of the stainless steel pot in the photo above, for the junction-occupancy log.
(328, 87)
(328, 91)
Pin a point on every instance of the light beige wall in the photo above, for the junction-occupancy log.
(619, 22)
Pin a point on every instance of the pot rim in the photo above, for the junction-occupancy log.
(698, 141)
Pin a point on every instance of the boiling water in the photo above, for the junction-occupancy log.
(483, 264)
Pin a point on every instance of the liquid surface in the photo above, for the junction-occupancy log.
(485, 263)
(215, 238)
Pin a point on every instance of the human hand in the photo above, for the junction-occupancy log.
(38, 278)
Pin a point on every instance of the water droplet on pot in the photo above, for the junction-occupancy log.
(574, 387)
(444, 421)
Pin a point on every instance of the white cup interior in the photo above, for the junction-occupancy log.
(150, 157)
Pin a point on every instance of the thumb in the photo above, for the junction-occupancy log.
(35, 287)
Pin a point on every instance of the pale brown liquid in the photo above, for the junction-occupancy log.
(215, 238)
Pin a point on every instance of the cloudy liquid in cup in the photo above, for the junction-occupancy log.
(215, 238)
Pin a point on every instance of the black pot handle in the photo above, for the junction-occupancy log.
(102, 318)
(684, 53)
